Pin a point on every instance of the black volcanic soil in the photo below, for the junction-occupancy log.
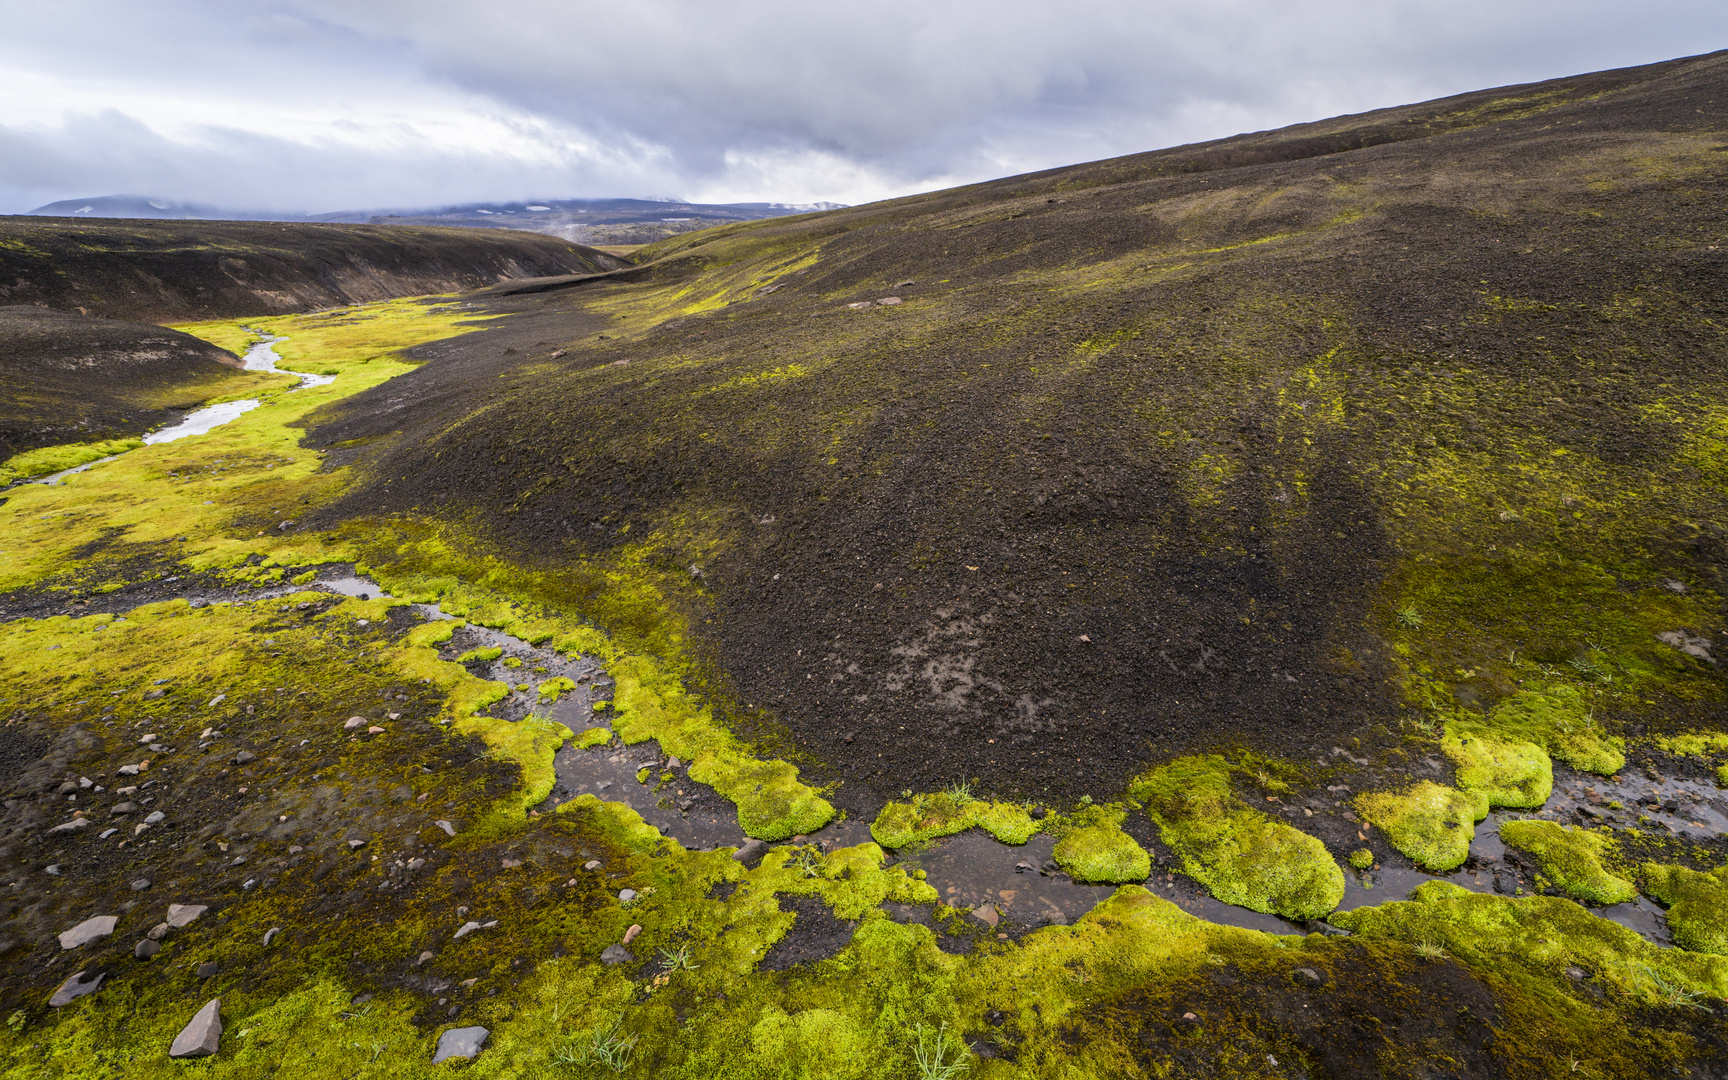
(175, 271)
(1124, 473)
(70, 378)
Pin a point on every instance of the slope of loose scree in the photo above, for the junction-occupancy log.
(1303, 439)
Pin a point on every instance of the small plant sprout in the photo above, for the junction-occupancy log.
(1672, 994)
(1409, 618)
(606, 1045)
(807, 863)
(1428, 950)
(959, 792)
(932, 1055)
(676, 959)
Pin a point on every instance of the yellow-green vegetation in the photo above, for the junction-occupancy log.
(1697, 904)
(51, 459)
(592, 737)
(1092, 847)
(1508, 772)
(482, 654)
(1571, 859)
(1699, 744)
(1362, 859)
(1561, 719)
(550, 689)
(944, 813)
(1241, 855)
(1429, 822)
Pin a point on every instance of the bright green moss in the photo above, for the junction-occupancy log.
(944, 813)
(1430, 823)
(1694, 744)
(594, 736)
(1571, 859)
(1560, 719)
(550, 689)
(1529, 942)
(1509, 773)
(1362, 858)
(1697, 904)
(1242, 856)
(491, 653)
(1093, 848)
(51, 459)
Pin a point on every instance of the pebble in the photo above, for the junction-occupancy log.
(148, 738)
(123, 808)
(354, 722)
(202, 1036)
(592, 864)
(106, 833)
(146, 948)
(270, 935)
(987, 914)
(630, 934)
(889, 301)
(415, 864)
(353, 844)
(88, 930)
(180, 915)
(217, 700)
(1308, 975)
(245, 757)
(158, 932)
(460, 1043)
(511, 864)
(53, 870)
(615, 954)
(208, 969)
(74, 988)
(140, 884)
(448, 828)
(374, 730)
(155, 816)
(70, 826)
(626, 895)
(751, 853)
(467, 928)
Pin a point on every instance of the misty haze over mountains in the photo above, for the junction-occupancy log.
(588, 221)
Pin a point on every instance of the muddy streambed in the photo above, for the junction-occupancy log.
(1021, 885)
(259, 357)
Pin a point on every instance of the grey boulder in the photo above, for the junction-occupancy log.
(203, 1036)
(181, 915)
(74, 988)
(460, 1043)
(616, 954)
(751, 853)
(88, 930)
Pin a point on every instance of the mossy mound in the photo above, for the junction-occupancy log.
(1242, 856)
(1092, 847)
(945, 813)
(1572, 859)
(1560, 718)
(1508, 772)
(1697, 904)
(1430, 823)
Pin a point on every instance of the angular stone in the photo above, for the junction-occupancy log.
(270, 935)
(74, 988)
(245, 757)
(460, 1043)
(449, 829)
(180, 915)
(88, 930)
(146, 948)
(626, 895)
(70, 826)
(616, 954)
(751, 853)
(158, 932)
(354, 722)
(123, 808)
(203, 1036)
(208, 969)
(467, 928)
(987, 914)
(155, 816)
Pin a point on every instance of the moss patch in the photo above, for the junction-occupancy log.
(1430, 823)
(945, 813)
(1572, 859)
(1242, 856)
(1697, 904)
(1509, 773)
(1092, 847)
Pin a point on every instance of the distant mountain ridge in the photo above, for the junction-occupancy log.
(588, 221)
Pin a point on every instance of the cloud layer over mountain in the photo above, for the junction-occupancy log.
(318, 105)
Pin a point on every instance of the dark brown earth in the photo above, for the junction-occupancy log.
(68, 378)
(181, 271)
(972, 535)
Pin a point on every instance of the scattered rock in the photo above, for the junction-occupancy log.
(1689, 644)
(88, 930)
(245, 757)
(74, 988)
(158, 932)
(140, 884)
(460, 1043)
(415, 864)
(123, 808)
(449, 829)
(103, 835)
(146, 948)
(1024, 867)
(374, 730)
(987, 914)
(208, 969)
(53, 870)
(626, 895)
(270, 935)
(217, 700)
(148, 738)
(512, 864)
(1307, 975)
(181, 915)
(354, 844)
(70, 826)
(467, 928)
(1577, 974)
(616, 954)
(630, 934)
(592, 864)
(751, 853)
(425, 956)
(354, 722)
(203, 1036)
(155, 816)
(889, 301)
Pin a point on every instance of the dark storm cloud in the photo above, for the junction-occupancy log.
(321, 104)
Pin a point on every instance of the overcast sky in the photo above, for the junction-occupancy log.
(323, 105)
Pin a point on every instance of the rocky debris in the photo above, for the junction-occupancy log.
(183, 915)
(202, 1036)
(626, 895)
(751, 853)
(449, 829)
(425, 956)
(140, 884)
(1024, 867)
(592, 864)
(467, 928)
(1689, 644)
(123, 808)
(142, 739)
(1307, 975)
(146, 948)
(374, 730)
(987, 914)
(70, 826)
(245, 757)
(630, 934)
(512, 864)
(208, 969)
(158, 932)
(74, 988)
(154, 817)
(270, 935)
(460, 1043)
(889, 301)
(88, 930)
(353, 844)
(615, 954)
(354, 722)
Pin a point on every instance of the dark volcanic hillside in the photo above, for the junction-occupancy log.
(168, 271)
(1280, 439)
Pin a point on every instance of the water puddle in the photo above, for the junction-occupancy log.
(971, 869)
(261, 357)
